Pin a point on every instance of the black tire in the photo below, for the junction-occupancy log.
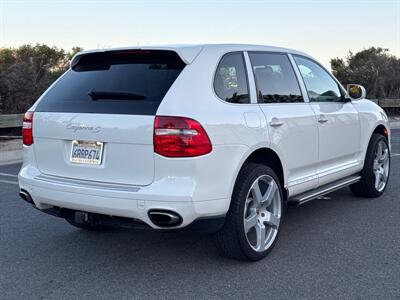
(366, 186)
(231, 240)
(87, 226)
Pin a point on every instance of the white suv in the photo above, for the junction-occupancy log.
(204, 137)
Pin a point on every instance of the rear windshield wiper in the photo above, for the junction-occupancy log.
(115, 95)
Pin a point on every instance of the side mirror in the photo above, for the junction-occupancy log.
(356, 91)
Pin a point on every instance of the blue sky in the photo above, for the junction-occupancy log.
(325, 29)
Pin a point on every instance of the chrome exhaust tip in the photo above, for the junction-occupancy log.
(165, 218)
(25, 196)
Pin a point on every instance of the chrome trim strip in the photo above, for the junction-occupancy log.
(302, 180)
(323, 173)
(87, 183)
(345, 166)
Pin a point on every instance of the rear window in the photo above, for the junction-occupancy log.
(230, 81)
(119, 82)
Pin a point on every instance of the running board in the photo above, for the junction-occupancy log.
(323, 190)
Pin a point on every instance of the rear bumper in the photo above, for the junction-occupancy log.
(132, 202)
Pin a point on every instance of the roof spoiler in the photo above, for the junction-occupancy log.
(186, 53)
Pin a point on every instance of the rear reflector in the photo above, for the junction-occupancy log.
(180, 137)
(27, 129)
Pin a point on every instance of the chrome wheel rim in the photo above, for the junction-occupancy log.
(262, 213)
(381, 166)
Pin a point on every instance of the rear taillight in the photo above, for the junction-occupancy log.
(180, 137)
(27, 127)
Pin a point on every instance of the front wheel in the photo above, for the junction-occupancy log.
(253, 220)
(375, 174)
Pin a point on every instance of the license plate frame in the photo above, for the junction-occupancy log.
(90, 157)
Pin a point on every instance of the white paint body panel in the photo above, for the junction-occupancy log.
(298, 128)
(127, 155)
(339, 141)
(311, 154)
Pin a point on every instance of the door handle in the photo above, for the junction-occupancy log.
(322, 119)
(275, 122)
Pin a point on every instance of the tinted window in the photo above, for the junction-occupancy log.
(146, 73)
(321, 87)
(276, 80)
(230, 80)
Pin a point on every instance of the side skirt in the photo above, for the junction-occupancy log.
(322, 190)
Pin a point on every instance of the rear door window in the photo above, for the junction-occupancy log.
(115, 82)
(275, 78)
(230, 81)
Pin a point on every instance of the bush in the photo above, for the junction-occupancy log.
(26, 72)
(374, 68)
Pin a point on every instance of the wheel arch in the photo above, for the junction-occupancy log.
(268, 157)
(381, 129)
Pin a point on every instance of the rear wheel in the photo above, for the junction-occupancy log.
(252, 223)
(375, 174)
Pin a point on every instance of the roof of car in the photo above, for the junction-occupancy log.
(188, 52)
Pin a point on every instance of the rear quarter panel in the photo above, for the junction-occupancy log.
(192, 95)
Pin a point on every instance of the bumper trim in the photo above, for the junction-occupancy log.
(87, 183)
(206, 224)
(200, 225)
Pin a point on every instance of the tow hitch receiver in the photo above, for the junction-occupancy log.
(82, 217)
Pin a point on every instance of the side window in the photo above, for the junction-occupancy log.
(321, 87)
(230, 82)
(275, 78)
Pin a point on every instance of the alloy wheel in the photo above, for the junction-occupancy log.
(262, 213)
(381, 165)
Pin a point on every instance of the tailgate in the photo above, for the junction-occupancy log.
(127, 146)
(105, 105)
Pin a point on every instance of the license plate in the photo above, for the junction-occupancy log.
(83, 152)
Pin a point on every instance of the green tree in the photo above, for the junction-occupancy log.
(374, 68)
(26, 72)
(74, 51)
